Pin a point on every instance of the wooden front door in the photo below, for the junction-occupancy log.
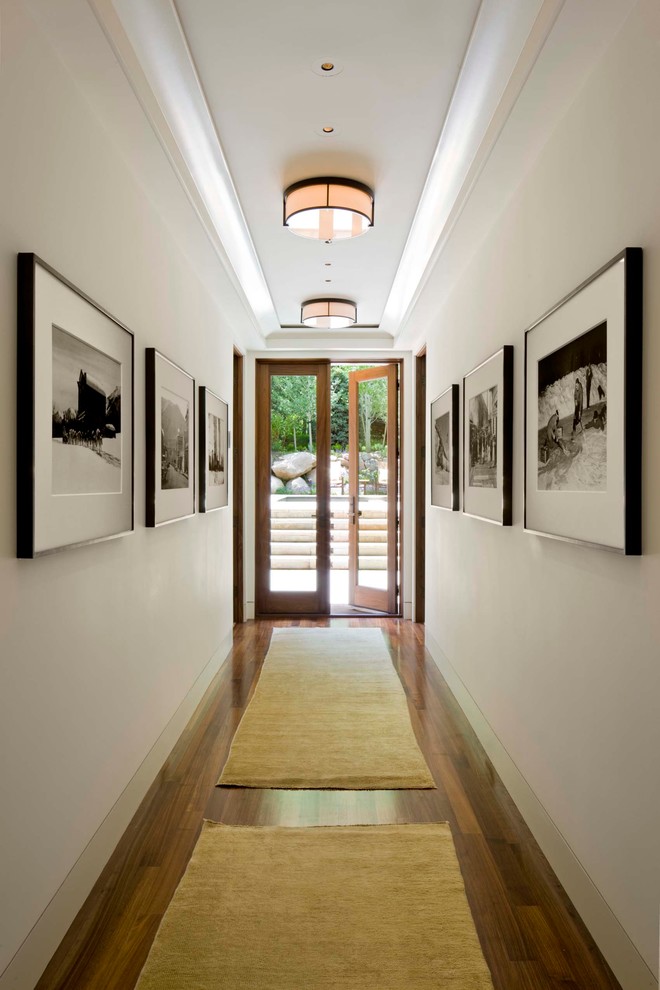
(292, 488)
(373, 424)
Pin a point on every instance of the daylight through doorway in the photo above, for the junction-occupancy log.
(326, 535)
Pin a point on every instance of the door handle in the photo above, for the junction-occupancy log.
(353, 512)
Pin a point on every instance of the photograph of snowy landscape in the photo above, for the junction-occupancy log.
(572, 415)
(215, 450)
(86, 418)
(483, 439)
(174, 437)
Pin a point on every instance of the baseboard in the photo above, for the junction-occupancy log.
(36, 951)
(627, 964)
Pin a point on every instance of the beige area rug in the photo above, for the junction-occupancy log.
(357, 908)
(328, 711)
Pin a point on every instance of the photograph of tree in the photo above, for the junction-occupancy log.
(86, 418)
(572, 415)
(174, 435)
(215, 450)
(441, 472)
(483, 439)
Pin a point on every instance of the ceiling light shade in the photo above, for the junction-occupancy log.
(328, 209)
(328, 314)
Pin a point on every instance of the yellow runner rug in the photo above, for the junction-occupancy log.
(328, 711)
(357, 908)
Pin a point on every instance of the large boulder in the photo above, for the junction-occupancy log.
(310, 477)
(297, 486)
(294, 465)
(275, 484)
(366, 462)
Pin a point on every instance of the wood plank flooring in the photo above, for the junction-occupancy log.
(530, 932)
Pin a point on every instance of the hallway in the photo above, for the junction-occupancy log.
(529, 931)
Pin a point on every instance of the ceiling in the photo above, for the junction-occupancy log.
(426, 91)
(269, 100)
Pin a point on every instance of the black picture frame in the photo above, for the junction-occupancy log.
(445, 484)
(586, 488)
(213, 444)
(74, 466)
(170, 440)
(488, 448)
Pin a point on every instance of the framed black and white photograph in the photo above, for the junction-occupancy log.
(213, 433)
(444, 450)
(583, 424)
(74, 416)
(488, 438)
(170, 421)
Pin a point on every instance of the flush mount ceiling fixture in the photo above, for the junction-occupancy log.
(328, 209)
(328, 314)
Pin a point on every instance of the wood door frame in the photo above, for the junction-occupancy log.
(237, 440)
(363, 596)
(269, 602)
(420, 485)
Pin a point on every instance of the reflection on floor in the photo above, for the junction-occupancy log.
(530, 932)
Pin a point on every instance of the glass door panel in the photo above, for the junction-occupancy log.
(292, 530)
(293, 508)
(373, 487)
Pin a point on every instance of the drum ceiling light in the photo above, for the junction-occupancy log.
(328, 314)
(328, 209)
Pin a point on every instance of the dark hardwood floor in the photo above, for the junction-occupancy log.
(530, 932)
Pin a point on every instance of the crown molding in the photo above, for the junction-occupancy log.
(149, 43)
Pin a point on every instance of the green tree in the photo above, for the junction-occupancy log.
(294, 398)
(372, 408)
(339, 406)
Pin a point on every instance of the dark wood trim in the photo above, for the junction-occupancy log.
(633, 392)
(633, 303)
(507, 438)
(454, 439)
(237, 441)
(151, 353)
(505, 354)
(202, 436)
(150, 427)
(269, 602)
(25, 400)
(25, 388)
(399, 470)
(420, 485)
(530, 933)
(201, 449)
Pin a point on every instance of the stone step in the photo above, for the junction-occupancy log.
(293, 536)
(301, 563)
(306, 523)
(308, 526)
(280, 537)
(369, 549)
(341, 550)
(307, 511)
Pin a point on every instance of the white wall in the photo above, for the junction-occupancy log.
(559, 646)
(100, 646)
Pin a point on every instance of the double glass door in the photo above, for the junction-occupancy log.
(327, 487)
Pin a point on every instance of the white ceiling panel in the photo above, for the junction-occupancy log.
(258, 67)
